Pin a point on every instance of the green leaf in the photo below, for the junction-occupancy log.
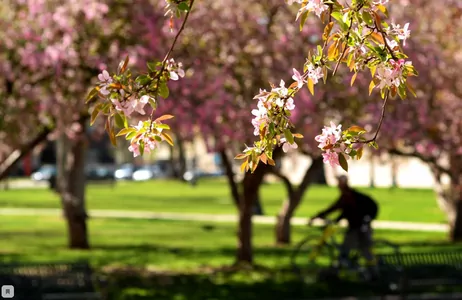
(402, 91)
(92, 94)
(289, 136)
(152, 66)
(371, 87)
(183, 6)
(123, 66)
(241, 156)
(124, 131)
(119, 120)
(167, 138)
(310, 86)
(143, 79)
(131, 135)
(367, 18)
(271, 128)
(342, 161)
(353, 78)
(95, 113)
(110, 131)
(158, 138)
(303, 19)
(326, 33)
(163, 90)
(359, 153)
(163, 126)
(374, 144)
(141, 148)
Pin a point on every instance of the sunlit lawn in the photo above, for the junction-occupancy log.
(212, 196)
(163, 244)
(182, 247)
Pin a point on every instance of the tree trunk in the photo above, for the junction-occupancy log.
(230, 177)
(71, 187)
(251, 185)
(181, 163)
(257, 207)
(455, 232)
(8, 164)
(16, 155)
(372, 171)
(283, 228)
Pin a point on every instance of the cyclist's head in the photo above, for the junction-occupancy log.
(343, 183)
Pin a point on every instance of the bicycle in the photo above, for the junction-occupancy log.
(312, 252)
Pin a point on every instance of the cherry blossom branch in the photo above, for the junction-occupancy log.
(382, 116)
(167, 56)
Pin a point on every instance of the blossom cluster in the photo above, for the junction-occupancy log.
(363, 41)
(123, 96)
(145, 140)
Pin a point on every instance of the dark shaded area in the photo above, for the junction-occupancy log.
(42, 281)
(228, 283)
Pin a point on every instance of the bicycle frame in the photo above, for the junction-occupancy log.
(328, 233)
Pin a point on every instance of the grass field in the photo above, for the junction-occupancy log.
(154, 259)
(212, 196)
(173, 245)
(145, 250)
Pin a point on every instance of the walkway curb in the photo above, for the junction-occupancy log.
(120, 214)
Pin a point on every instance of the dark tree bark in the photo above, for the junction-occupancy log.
(230, 177)
(449, 198)
(181, 158)
(251, 185)
(8, 164)
(455, 232)
(13, 158)
(294, 197)
(71, 187)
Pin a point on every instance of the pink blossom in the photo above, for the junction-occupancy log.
(135, 148)
(317, 6)
(286, 146)
(126, 106)
(138, 105)
(330, 157)
(298, 78)
(329, 136)
(402, 33)
(290, 104)
(315, 73)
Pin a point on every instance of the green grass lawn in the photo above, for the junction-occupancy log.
(212, 196)
(185, 250)
(178, 245)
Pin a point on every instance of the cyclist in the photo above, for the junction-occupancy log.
(359, 210)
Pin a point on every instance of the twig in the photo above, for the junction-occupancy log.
(380, 121)
(164, 62)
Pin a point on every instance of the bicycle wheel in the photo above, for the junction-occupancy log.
(310, 256)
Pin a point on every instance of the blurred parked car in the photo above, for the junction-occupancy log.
(160, 169)
(125, 172)
(44, 173)
(92, 172)
(194, 175)
(99, 172)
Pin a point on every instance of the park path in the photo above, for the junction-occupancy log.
(123, 214)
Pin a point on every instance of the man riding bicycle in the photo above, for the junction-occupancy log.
(359, 210)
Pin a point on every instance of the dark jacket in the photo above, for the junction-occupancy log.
(356, 207)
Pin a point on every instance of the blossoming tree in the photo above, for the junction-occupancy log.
(49, 58)
(355, 34)
(429, 127)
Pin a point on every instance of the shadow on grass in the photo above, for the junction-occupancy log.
(227, 285)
